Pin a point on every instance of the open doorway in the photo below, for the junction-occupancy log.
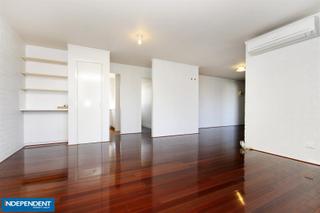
(146, 105)
(114, 103)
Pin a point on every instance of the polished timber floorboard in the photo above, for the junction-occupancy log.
(190, 173)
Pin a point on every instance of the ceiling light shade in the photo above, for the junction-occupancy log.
(241, 68)
(140, 38)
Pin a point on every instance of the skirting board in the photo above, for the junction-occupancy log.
(162, 136)
(282, 156)
(45, 143)
(209, 127)
(7, 157)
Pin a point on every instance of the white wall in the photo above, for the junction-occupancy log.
(112, 91)
(146, 102)
(112, 99)
(130, 95)
(219, 102)
(117, 120)
(283, 101)
(11, 64)
(175, 98)
(45, 127)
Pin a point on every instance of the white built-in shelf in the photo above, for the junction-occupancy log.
(44, 110)
(43, 75)
(44, 90)
(48, 61)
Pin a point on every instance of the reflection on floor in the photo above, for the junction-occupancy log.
(135, 173)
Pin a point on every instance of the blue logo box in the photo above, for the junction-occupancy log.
(27, 204)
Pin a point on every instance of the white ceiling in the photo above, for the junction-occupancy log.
(207, 33)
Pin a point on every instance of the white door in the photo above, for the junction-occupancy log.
(88, 98)
(89, 95)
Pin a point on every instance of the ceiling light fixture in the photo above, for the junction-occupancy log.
(140, 38)
(241, 68)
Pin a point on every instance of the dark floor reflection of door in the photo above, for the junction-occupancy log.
(203, 172)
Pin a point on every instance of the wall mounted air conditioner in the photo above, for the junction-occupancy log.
(293, 33)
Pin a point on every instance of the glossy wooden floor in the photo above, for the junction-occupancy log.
(133, 173)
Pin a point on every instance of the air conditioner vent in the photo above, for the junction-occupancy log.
(293, 33)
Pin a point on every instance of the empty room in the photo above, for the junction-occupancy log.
(160, 106)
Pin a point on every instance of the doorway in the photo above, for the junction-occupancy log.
(114, 103)
(146, 104)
